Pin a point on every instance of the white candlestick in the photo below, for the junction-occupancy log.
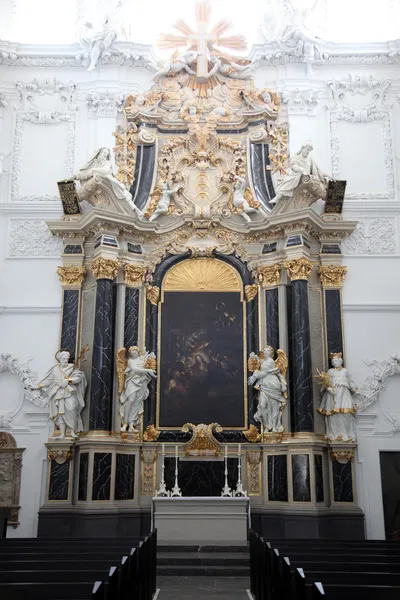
(176, 451)
(239, 448)
(226, 451)
(163, 448)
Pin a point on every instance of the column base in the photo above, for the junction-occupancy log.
(105, 523)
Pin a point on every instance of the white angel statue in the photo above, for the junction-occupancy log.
(99, 171)
(165, 195)
(134, 375)
(176, 64)
(240, 201)
(100, 42)
(231, 69)
(269, 377)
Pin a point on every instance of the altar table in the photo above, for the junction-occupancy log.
(201, 520)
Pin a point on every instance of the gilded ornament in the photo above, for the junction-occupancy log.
(252, 434)
(151, 434)
(60, 455)
(105, 268)
(148, 472)
(251, 292)
(197, 274)
(269, 275)
(332, 275)
(203, 443)
(71, 275)
(133, 274)
(299, 268)
(342, 456)
(254, 472)
(153, 294)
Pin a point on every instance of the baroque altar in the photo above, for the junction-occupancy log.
(201, 287)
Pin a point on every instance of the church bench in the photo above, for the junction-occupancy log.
(49, 576)
(353, 577)
(368, 567)
(56, 565)
(47, 591)
(354, 592)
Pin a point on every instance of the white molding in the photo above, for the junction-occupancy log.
(46, 118)
(36, 310)
(382, 307)
(44, 210)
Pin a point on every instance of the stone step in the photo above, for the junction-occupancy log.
(203, 570)
(199, 548)
(203, 558)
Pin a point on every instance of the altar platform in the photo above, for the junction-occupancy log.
(201, 520)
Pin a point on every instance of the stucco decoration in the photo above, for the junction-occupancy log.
(10, 476)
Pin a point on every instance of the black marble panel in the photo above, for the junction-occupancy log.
(333, 321)
(294, 240)
(272, 305)
(319, 478)
(69, 326)
(138, 166)
(59, 481)
(101, 484)
(252, 346)
(342, 481)
(302, 397)
(83, 476)
(131, 317)
(124, 477)
(73, 249)
(135, 248)
(201, 477)
(102, 362)
(277, 478)
(269, 248)
(331, 249)
(262, 181)
(301, 477)
(151, 338)
(390, 476)
(290, 346)
(144, 176)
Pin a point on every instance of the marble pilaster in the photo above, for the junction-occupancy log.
(332, 277)
(124, 477)
(100, 412)
(71, 277)
(277, 478)
(302, 415)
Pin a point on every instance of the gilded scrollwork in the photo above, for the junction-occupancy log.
(71, 275)
(153, 294)
(254, 472)
(269, 275)
(202, 443)
(105, 268)
(332, 275)
(299, 268)
(133, 274)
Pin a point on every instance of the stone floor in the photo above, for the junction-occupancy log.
(207, 588)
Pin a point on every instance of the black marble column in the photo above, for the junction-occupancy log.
(59, 480)
(131, 317)
(83, 476)
(302, 417)
(277, 478)
(69, 324)
(100, 412)
(333, 315)
(319, 478)
(272, 317)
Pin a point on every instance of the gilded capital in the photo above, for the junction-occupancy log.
(71, 275)
(153, 294)
(105, 268)
(250, 291)
(298, 268)
(332, 275)
(133, 274)
(269, 275)
(342, 456)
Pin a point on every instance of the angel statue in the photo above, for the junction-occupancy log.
(134, 375)
(231, 69)
(64, 387)
(301, 164)
(269, 377)
(176, 64)
(98, 172)
(241, 199)
(165, 196)
(337, 404)
(98, 44)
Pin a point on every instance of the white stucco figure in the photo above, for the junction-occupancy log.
(239, 199)
(98, 171)
(230, 68)
(337, 404)
(164, 202)
(271, 383)
(134, 376)
(300, 164)
(99, 42)
(64, 387)
(177, 64)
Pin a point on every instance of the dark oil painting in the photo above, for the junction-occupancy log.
(201, 374)
(390, 476)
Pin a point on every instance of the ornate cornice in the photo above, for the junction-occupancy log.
(133, 274)
(332, 275)
(298, 268)
(153, 294)
(105, 268)
(71, 275)
(270, 275)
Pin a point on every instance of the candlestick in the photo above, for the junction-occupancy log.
(226, 490)
(176, 490)
(239, 492)
(162, 490)
(176, 451)
(163, 448)
(226, 451)
(239, 448)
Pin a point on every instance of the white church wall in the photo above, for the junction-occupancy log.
(39, 151)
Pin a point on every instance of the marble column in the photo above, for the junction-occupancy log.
(332, 277)
(100, 412)
(71, 277)
(302, 414)
(133, 279)
(269, 277)
(153, 296)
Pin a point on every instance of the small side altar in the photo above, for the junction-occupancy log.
(201, 520)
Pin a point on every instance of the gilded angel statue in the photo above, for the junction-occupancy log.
(269, 378)
(134, 375)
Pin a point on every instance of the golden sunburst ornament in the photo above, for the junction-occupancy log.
(197, 274)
